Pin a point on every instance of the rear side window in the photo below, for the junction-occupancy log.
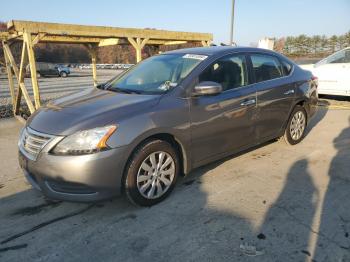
(266, 67)
(287, 68)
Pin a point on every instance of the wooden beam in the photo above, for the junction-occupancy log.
(96, 40)
(4, 36)
(21, 87)
(37, 38)
(143, 42)
(103, 31)
(32, 64)
(20, 81)
(108, 41)
(70, 39)
(175, 42)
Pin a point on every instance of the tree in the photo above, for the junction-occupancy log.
(333, 43)
(315, 43)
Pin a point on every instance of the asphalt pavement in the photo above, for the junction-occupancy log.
(272, 203)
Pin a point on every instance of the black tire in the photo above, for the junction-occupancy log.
(63, 74)
(288, 136)
(134, 165)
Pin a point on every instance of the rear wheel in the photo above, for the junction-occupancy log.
(152, 172)
(296, 126)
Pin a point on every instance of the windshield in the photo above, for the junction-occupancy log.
(157, 74)
(342, 56)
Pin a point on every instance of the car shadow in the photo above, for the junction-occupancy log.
(317, 118)
(334, 231)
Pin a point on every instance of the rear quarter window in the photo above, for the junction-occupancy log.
(287, 67)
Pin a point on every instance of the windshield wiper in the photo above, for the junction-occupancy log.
(124, 90)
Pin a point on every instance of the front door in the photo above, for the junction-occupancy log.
(225, 122)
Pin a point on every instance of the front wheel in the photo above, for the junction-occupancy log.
(151, 173)
(296, 126)
(63, 74)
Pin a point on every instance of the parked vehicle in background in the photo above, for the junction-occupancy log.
(126, 66)
(164, 117)
(333, 73)
(49, 69)
(85, 66)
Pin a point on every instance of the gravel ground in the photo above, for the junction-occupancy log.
(276, 202)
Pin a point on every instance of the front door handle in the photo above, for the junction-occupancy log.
(291, 91)
(248, 102)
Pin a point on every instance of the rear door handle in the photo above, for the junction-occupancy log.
(291, 91)
(248, 102)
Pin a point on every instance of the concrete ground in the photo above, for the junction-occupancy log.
(274, 202)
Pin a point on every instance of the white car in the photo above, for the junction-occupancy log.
(333, 73)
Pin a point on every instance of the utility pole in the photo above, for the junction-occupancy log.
(232, 22)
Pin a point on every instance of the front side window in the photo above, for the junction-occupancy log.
(266, 67)
(157, 74)
(230, 72)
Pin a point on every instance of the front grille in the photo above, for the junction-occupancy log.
(32, 142)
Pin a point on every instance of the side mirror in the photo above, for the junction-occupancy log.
(207, 88)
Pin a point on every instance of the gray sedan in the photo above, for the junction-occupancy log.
(162, 118)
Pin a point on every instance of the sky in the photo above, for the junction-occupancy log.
(254, 19)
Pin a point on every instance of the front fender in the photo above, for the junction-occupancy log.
(170, 116)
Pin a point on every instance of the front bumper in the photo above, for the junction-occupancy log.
(82, 178)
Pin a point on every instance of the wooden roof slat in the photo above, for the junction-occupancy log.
(70, 30)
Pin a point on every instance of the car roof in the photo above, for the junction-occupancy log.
(218, 50)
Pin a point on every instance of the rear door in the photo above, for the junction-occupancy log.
(275, 94)
(224, 122)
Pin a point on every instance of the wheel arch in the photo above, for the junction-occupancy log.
(300, 102)
(173, 141)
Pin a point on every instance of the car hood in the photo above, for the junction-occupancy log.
(88, 109)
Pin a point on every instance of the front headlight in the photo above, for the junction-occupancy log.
(85, 142)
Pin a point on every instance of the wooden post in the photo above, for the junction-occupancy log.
(10, 78)
(93, 53)
(27, 38)
(205, 43)
(138, 45)
(94, 69)
(20, 80)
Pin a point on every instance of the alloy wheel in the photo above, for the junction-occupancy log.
(297, 125)
(155, 175)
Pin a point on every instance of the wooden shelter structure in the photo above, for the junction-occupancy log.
(30, 33)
